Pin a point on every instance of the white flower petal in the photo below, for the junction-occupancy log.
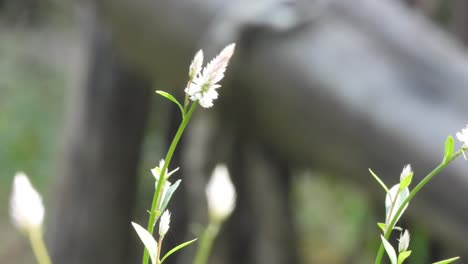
(26, 208)
(148, 240)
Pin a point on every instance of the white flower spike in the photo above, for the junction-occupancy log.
(196, 65)
(202, 87)
(164, 223)
(404, 241)
(463, 137)
(26, 208)
(220, 194)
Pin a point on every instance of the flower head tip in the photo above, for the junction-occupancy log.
(204, 82)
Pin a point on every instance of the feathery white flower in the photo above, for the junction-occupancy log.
(26, 208)
(404, 241)
(406, 172)
(463, 136)
(220, 194)
(202, 87)
(164, 223)
(196, 65)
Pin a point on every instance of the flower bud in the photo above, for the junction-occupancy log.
(220, 194)
(26, 208)
(164, 223)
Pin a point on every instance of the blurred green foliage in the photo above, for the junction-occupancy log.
(31, 101)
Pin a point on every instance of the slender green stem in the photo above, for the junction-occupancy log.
(39, 247)
(416, 189)
(206, 242)
(162, 178)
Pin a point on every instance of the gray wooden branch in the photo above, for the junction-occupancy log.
(359, 84)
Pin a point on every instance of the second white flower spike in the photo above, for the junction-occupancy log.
(220, 194)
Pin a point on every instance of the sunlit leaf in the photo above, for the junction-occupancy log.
(172, 251)
(449, 146)
(403, 255)
(172, 98)
(379, 180)
(148, 240)
(446, 261)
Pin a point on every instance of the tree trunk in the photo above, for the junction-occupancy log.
(97, 179)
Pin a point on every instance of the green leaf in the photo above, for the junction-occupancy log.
(403, 255)
(406, 181)
(148, 241)
(378, 180)
(172, 98)
(167, 197)
(172, 251)
(390, 251)
(446, 261)
(449, 145)
(382, 226)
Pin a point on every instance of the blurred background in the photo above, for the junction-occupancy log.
(42, 59)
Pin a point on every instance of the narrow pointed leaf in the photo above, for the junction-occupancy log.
(447, 261)
(390, 251)
(172, 98)
(168, 194)
(172, 251)
(406, 181)
(148, 240)
(449, 146)
(382, 226)
(403, 255)
(379, 180)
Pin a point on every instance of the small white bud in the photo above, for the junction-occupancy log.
(406, 172)
(220, 194)
(164, 223)
(26, 208)
(404, 241)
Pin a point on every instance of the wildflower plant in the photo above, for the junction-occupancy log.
(201, 89)
(398, 197)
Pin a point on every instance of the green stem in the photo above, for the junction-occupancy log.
(38, 246)
(162, 178)
(206, 242)
(416, 189)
